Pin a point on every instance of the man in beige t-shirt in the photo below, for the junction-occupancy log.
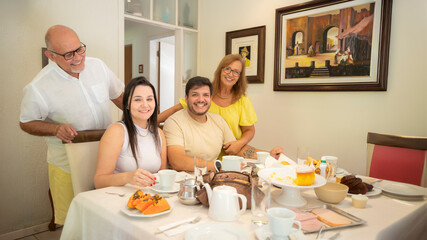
(194, 131)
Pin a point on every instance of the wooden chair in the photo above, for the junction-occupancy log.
(82, 155)
(397, 158)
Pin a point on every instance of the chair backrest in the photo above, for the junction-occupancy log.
(397, 158)
(82, 155)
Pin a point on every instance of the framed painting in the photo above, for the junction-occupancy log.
(250, 44)
(332, 45)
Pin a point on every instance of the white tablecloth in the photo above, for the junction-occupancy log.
(96, 215)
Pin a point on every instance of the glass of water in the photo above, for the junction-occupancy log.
(260, 201)
(200, 166)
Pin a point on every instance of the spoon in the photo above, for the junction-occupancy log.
(118, 194)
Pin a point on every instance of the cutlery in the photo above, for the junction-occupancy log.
(320, 232)
(196, 220)
(118, 194)
(377, 180)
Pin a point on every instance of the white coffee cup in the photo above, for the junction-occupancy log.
(230, 163)
(261, 156)
(281, 221)
(167, 179)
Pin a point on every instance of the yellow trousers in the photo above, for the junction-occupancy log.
(62, 192)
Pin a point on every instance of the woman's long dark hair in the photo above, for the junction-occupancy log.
(127, 117)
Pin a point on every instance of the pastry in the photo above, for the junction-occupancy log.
(305, 175)
(355, 185)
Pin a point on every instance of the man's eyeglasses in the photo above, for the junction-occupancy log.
(70, 55)
(229, 70)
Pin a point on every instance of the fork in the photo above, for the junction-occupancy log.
(118, 194)
(196, 220)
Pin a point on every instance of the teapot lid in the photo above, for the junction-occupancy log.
(225, 188)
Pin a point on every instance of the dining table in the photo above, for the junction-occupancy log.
(97, 214)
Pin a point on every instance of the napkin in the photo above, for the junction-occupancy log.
(271, 162)
(180, 229)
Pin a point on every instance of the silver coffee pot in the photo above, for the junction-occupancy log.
(187, 192)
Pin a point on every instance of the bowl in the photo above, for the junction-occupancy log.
(331, 192)
(359, 201)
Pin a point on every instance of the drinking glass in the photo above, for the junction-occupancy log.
(302, 155)
(260, 201)
(200, 166)
(332, 161)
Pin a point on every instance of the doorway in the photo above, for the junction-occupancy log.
(162, 70)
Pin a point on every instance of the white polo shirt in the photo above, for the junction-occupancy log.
(55, 96)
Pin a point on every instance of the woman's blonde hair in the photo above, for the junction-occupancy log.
(241, 85)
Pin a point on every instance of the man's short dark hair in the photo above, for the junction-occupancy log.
(197, 82)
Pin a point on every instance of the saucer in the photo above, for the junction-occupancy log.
(263, 233)
(158, 189)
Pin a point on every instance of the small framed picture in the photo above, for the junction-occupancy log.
(250, 44)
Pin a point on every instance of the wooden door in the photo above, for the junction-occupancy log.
(128, 63)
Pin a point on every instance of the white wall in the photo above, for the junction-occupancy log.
(23, 174)
(329, 123)
(335, 122)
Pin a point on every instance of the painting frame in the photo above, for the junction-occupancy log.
(254, 39)
(374, 82)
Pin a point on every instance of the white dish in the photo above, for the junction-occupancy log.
(374, 192)
(158, 189)
(342, 171)
(285, 175)
(212, 231)
(402, 189)
(133, 212)
(263, 233)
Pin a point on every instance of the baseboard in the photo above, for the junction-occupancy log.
(25, 232)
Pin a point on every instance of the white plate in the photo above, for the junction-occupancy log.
(374, 192)
(342, 171)
(133, 212)
(212, 231)
(158, 189)
(284, 177)
(263, 233)
(402, 189)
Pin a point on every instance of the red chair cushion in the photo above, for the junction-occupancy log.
(397, 164)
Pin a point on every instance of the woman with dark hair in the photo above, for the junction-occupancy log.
(229, 100)
(131, 150)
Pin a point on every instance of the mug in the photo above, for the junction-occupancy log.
(166, 179)
(261, 156)
(281, 221)
(229, 163)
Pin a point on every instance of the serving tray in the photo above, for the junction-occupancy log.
(355, 221)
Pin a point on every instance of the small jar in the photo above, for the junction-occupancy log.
(359, 201)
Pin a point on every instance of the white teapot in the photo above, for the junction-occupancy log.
(224, 203)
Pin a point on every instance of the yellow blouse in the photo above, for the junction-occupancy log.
(240, 113)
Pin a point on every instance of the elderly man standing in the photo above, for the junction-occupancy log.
(68, 95)
(194, 130)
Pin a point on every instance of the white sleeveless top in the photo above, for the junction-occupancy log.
(148, 156)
